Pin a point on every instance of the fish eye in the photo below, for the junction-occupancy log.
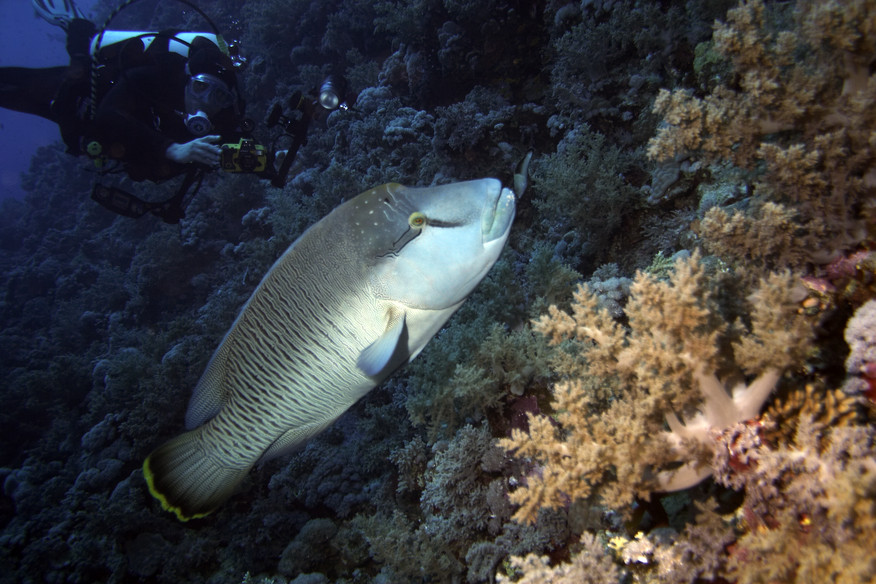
(417, 220)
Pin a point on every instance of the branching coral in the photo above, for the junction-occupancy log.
(809, 505)
(799, 110)
(592, 565)
(662, 370)
(581, 190)
(460, 501)
(504, 365)
(812, 402)
(699, 554)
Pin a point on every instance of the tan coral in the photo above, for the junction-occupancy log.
(800, 114)
(813, 401)
(664, 373)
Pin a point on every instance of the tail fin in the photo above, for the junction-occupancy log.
(187, 481)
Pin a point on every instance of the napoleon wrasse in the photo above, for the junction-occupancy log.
(357, 295)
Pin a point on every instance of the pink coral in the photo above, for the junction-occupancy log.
(861, 363)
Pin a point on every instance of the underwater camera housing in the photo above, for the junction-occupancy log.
(245, 156)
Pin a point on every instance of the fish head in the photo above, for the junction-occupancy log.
(433, 245)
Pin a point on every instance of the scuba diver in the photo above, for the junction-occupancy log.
(159, 104)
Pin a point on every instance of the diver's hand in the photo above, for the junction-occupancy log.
(203, 150)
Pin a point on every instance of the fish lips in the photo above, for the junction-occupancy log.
(498, 212)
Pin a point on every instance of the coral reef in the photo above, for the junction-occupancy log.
(815, 494)
(687, 292)
(861, 363)
(592, 564)
(797, 111)
(664, 369)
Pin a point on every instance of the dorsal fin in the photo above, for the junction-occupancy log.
(209, 393)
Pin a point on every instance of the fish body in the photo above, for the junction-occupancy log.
(357, 295)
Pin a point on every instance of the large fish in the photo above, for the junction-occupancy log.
(358, 294)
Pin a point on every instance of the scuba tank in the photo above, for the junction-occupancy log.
(113, 52)
(111, 41)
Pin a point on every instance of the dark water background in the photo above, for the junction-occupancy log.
(26, 41)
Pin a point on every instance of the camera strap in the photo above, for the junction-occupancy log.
(299, 137)
(128, 205)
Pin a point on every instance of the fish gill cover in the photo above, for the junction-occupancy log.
(687, 293)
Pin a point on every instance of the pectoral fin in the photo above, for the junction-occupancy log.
(378, 355)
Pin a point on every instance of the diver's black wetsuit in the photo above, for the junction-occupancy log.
(30, 90)
(140, 116)
(139, 111)
(54, 93)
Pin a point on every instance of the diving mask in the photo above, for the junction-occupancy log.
(205, 95)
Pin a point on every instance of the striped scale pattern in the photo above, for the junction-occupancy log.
(353, 298)
(291, 359)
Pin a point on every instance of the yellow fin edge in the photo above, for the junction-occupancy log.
(165, 504)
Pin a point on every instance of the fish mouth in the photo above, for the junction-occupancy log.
(498, 212)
